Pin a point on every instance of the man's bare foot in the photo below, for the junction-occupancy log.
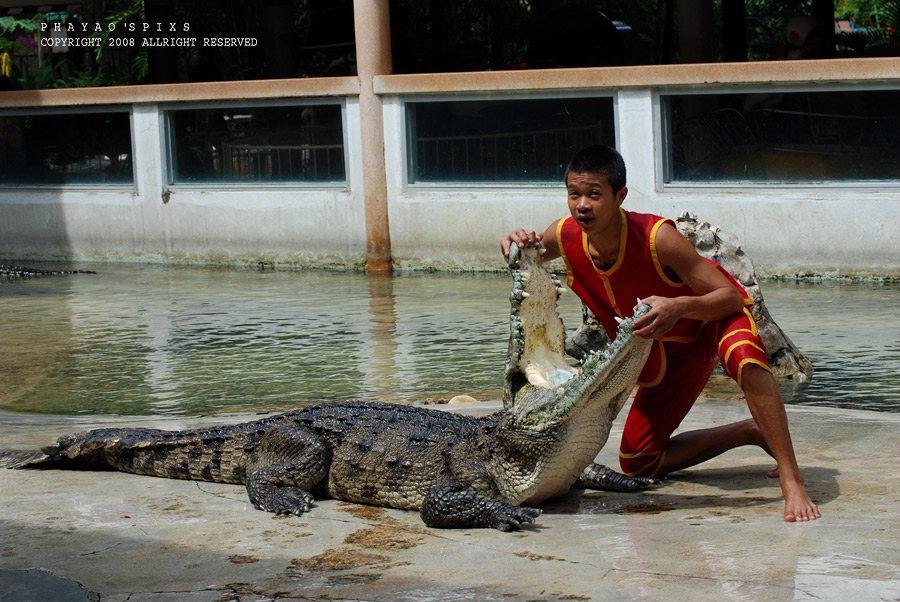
(797, 505)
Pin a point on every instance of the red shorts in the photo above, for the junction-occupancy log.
(658, 410)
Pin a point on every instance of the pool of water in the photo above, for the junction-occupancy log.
(850, 332)
(140, 340)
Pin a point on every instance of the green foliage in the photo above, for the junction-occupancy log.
(86, 79)
(428, 35)
(880, 38)
(43, 77)
(856, 10)
(134, 9)
(140, 66)
(11, 26)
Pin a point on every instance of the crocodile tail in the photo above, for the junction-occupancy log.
(109, 448)
(20, 458)
(212, 454)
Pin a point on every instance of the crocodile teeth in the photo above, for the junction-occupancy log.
(560, 290)
(524, 294)
(618, 319)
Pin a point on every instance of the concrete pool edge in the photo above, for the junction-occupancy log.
(710, 533)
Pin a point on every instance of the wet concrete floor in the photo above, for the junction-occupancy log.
(710, 533)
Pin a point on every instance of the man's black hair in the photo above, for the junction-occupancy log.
(600, 159)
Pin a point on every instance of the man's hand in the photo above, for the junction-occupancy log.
(664, 313)
(523, 238)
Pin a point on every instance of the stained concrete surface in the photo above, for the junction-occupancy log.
(710, 533)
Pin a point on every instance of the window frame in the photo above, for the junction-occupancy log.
(662, 127)
(81, 110)
(168, 158)
(409, 134)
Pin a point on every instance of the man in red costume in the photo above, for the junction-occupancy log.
(698, 317)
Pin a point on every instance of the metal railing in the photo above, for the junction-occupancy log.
(305, 162)
(516, 156)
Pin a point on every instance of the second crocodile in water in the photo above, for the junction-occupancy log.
(458, 471)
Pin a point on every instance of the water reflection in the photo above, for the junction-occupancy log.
(187, 340)
(383, 347)
(851, 332)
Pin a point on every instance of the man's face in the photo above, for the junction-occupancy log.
(593, 204)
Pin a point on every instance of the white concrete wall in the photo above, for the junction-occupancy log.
(815, 230)
(840, 230)
(810, 230)
(308, 225)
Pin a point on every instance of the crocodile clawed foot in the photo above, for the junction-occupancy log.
(266, 493)
(598, 476)
(636, 483)
(511, 518)
(287, 500)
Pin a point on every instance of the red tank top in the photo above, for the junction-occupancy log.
(637, 273)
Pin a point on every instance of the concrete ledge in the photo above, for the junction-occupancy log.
(876, 70)
(711, 533)
(211, 91)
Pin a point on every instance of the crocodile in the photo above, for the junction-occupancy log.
(456, 470)
(18, 271)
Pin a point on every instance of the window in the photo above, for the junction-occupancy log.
(276, 144)
(489, 141)
(783, 137)
(40, 149)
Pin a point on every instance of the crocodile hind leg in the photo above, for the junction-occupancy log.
(453, 504)
(287, 464)
(598, 476)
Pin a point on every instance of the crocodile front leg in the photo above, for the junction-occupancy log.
(598, 476)
(453, 504)
(287, 464)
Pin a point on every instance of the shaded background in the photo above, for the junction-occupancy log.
(315, 38)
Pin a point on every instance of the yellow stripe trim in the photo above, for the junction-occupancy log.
(605, 274)
(660, 458)
(655, 255)
(623, 237)
(750, 360)
(570, 278)
(662, 367)
(752, 330)
(612, 297)
(639, 454)
(738, 344)
(752, 321)
(734, 332)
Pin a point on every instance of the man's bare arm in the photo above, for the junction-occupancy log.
(717, 296)
(527, 238)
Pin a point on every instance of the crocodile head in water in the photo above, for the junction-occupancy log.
(543, 393)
